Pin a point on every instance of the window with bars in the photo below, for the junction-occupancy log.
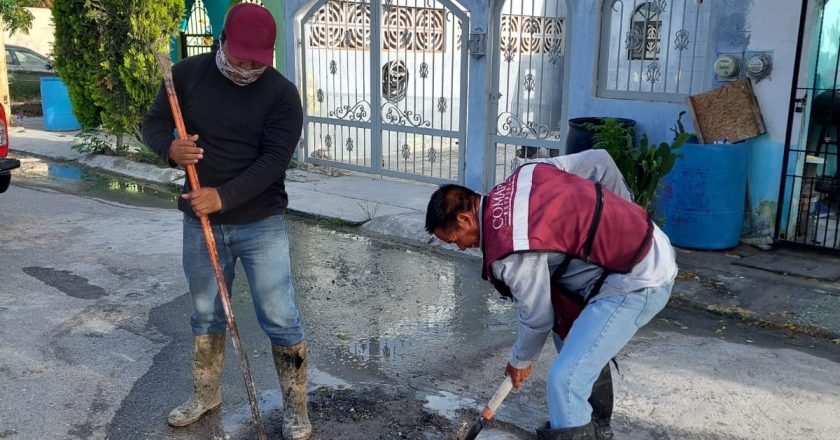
(643, 37)
(653, 50)
(528, 34)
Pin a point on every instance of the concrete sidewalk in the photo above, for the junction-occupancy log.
(782, 288)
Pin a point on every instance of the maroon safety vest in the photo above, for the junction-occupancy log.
(540, 208)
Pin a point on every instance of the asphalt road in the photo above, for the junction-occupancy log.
(94, 336)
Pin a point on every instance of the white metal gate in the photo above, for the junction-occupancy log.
(390, 101)
(528, 79)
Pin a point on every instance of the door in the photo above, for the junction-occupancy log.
(810, 192)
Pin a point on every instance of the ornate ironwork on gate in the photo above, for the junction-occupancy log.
(528, 79)
(198, 36)
(384, 87)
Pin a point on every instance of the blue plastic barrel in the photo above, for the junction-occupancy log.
(55, 102)
(703, 197)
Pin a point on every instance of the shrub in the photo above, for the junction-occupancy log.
(103, 53)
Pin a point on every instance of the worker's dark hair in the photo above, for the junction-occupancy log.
(445, 205)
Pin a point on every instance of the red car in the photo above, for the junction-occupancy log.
(6, 165)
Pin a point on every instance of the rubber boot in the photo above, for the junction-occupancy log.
(290, 363)
(585, 432)
(208, 361)
(601, 400)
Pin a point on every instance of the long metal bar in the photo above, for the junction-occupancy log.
(531, 142)
(375, 81)
(668, 46)
(462, 106)
(384, 172)
(165, 67)
(791, 112)
(304, 96)
(679, 59)
(694, 49)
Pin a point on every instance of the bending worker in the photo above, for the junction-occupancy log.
(563, 240)
(245, 121)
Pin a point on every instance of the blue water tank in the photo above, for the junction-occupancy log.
(702, 199)
(55, 102)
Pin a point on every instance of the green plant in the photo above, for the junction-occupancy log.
(610, 135)
(103, 53)
(642, 167)
(679, 129)
(647, 165)
(15, 17)
(94, 141)
(367, 211)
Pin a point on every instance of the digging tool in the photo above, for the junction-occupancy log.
(166, 69)
(490, 409)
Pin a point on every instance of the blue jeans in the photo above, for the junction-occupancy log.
(604, 327)
(263, 249)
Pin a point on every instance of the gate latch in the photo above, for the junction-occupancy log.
(478, 43)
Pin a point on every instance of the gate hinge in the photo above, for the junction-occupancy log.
(477, 44)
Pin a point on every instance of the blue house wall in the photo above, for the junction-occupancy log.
(736, 26)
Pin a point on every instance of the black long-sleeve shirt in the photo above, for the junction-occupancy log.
(248, 134)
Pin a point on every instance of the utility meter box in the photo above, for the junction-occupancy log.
(758, 65)
(727, 67)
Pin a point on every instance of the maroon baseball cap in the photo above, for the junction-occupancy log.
(249, 33)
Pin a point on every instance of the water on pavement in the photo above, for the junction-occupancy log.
(375, 313)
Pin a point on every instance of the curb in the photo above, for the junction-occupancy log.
(747, 316)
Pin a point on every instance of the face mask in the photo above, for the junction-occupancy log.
(239, 76)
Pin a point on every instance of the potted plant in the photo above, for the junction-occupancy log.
(582, 131)
(642, 166)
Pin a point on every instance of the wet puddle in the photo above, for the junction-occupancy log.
(381, 319)
(448, 404)
(75, 179)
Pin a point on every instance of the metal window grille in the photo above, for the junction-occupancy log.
(653, 50)
(644, 33)
(537, 35)
(404, 27)
(528, 80)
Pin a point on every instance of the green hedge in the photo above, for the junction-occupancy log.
(103, 53)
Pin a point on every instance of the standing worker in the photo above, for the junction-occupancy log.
(563, 240)
(245, 121)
